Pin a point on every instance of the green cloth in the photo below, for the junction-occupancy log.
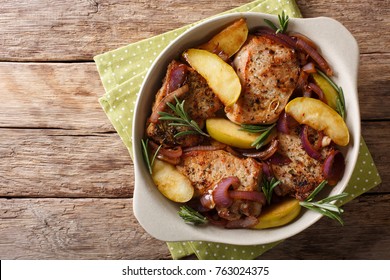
(122, 72)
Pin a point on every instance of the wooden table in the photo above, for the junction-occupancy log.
(66, 180)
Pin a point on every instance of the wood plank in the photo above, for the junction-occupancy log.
(64, 163)
(65, 95)
(74, 229)
(58, 163)
(54, 95)
(77, 30)
(374, 86)
(107, 229)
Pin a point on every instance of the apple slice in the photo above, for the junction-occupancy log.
(319, 116)
(279, 214)
(330, 93)
(229, 40)
(220, 76)
(231, 134)
(171, 183)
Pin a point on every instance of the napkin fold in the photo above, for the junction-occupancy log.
(122, 72)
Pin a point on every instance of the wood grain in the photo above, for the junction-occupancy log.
(66, 180)
(77, 30)
(65, 95)
(54, 95)
(63, 163)
(74, 229)
(106, 229)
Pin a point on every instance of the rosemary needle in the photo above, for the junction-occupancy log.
(268, 187)
(265, 129)
(283, 23)
(145, 154)
(181, 118)
(324, 206)
(191, 216)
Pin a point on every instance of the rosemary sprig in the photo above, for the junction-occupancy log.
(265, 129)
(268, 187)
(181, 118)
(283, 23)
(340, 102)
(324, 206)
(191, 216)
(145, 154)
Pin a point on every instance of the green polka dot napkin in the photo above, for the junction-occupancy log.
(122, 72)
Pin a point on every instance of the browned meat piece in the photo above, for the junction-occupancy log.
(200, 104)
(303, 174)
(268, 72)
(206, 168)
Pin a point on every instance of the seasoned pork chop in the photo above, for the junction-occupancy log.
(268, 72)
(206, 168)
(303, 174)
(200, 103)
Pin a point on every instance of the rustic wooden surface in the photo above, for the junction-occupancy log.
(66, 180)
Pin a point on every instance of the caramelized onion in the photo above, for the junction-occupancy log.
(333, 168)
(309, 68)
(302, 82)
(267, 171)
(221, 195)
(307, 146)
(285, 123)
(318, 145)
(315, 55)
(215, 220)
(248, 195)
(279, 159)
(176, 76)
(264, 154)
(170, 155)
(163, 103)
(246, 222)
(296, 35)
(207, 201)
(318, 91)
(277, 37)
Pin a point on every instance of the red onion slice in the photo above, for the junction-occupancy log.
(264, 154)
(277, 37)
(318, 91)
(333, 168)
(285, 123)
(246, 222)
(170, 155)
(315, 55)
(279, 159)
(296, 35)
(267, 170)
(220, 193)
(177, 76)
(248, 195)
(307, 146)
(207, 201)
(309, 68)
(163, 103)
